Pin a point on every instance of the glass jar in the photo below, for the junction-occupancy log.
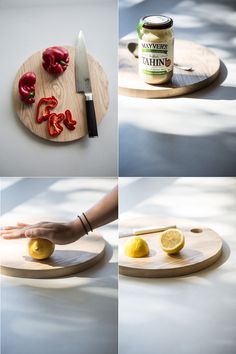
(156, 49)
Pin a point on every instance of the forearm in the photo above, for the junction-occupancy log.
(102, 213)
(105, 211)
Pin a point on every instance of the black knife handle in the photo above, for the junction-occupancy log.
(91, 118)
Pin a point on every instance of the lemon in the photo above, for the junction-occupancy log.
(172, 241)
(136, 247)
(40, 248)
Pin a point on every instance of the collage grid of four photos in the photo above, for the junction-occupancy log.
(118, 177)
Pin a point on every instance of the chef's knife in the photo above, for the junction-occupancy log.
(83, 83)
(146, 230)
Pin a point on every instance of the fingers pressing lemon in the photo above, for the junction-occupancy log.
(136, 247)
(40, 248)
(172, 241)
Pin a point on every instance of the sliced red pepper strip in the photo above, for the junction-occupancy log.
(45, 105)
(54, 126)
(26, 87)
(55, 60)
(69, 121)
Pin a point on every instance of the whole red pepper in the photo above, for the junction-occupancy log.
(55, 60)
(45, 105)
(69, 121)
(26, 87)
(54, 126)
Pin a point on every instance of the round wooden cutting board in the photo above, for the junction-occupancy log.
(205, 65)
(63, 88)
(203, 247)
(66, 259)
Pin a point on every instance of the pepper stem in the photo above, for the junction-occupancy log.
(31, 94)
(62, 62)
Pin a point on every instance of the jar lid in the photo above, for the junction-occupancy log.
(156, 22)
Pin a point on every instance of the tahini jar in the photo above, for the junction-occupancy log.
(156, 49)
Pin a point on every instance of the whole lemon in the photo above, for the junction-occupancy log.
(136, 247)
(40, 248)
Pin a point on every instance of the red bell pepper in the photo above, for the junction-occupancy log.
(54, 126)
(45, 105)
(69, 121)
(55, 60)
(26, 87)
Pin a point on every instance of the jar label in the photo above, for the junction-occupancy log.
(155, 58)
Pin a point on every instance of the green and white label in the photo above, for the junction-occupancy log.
(155, 58)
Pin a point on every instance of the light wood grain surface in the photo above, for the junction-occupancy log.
(205, 64)
(63, 88)
(66, 259)
(203, 247)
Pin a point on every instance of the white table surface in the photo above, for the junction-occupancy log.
(193, 135)
(75, 314)
(27, 26)
(190, 314)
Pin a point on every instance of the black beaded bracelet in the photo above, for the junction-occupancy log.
(88, 222)
(85, 229)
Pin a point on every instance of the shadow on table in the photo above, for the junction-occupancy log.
(148, 153)
(220, 261)
(130, 14)
(145, 188)
(64, 315)
(224, 93)
(23, 190)
(27, 188)
(103, 268)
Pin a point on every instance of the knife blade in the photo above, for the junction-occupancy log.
(146, 230)
(83, 83)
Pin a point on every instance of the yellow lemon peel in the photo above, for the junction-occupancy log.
(136, 247)
(40, 248)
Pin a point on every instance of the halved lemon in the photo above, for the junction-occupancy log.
(136, 247)
(172, 241)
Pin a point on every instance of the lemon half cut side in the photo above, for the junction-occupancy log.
(172, 241)
(136, 247)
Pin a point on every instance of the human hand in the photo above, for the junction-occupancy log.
(58, 233)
